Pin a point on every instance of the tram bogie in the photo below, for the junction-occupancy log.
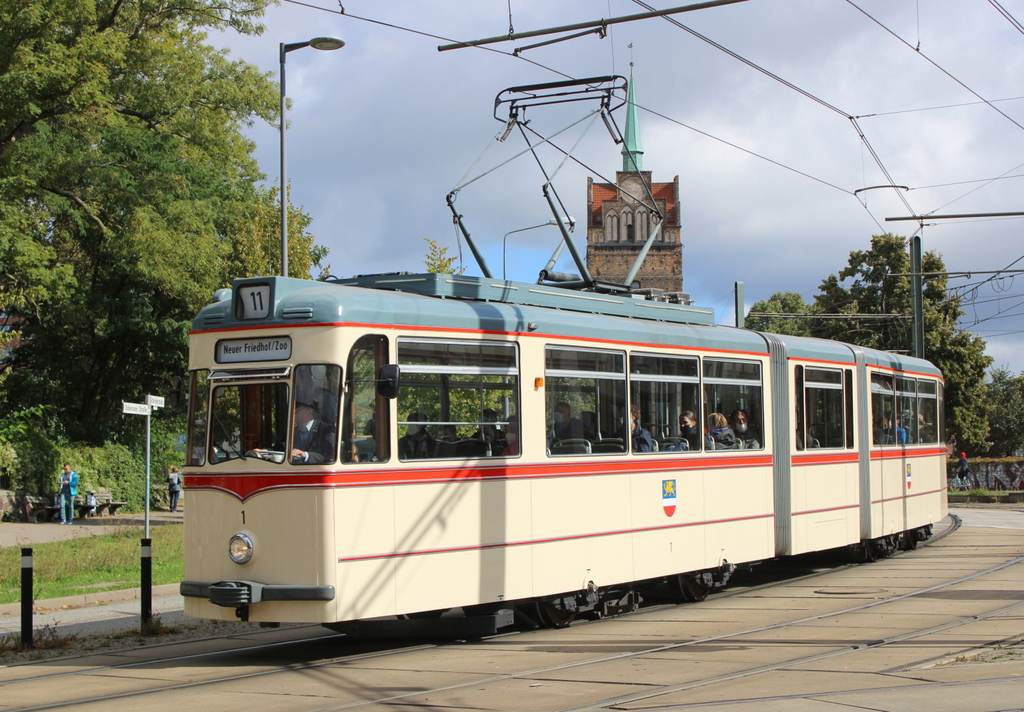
(418, 443)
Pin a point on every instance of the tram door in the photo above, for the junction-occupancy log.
(888, 462)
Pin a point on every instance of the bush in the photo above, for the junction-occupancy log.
(38, 464)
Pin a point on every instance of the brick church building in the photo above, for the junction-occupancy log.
(618, 222)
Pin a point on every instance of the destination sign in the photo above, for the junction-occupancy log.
(273, 348)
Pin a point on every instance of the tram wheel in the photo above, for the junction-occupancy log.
(553, 616)
(689, 588)
(908, 540)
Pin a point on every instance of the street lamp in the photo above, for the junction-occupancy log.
(324, 43)
(504, 240)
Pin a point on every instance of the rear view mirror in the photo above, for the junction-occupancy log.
(388, 381)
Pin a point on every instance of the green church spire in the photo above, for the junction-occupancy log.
(632, 151)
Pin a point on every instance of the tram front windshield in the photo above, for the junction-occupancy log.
(270, 420)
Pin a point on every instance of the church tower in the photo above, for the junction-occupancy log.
(618, 222)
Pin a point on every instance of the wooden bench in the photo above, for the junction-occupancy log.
(105, 503)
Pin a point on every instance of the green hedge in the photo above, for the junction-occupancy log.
(111, 467)
(34, 462)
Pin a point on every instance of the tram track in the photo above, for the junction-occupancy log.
(726, 593)
(612, 702)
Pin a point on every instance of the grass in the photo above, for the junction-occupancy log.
(107, 562)
(45, 638)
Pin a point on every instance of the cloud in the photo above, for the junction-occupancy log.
(384, 128)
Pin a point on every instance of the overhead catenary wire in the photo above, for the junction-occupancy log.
(935, 64)
(845, 114)
(875, 157)
(421, 33)
(1005, 13)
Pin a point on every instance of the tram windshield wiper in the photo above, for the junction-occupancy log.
(227, 437)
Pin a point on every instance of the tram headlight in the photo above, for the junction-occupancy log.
(240, 548)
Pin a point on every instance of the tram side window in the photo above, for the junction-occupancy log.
(825, 410)
(248, 420)
(315, 415)
(457, 399)
(927, 430)
(198, 392)
(585, 402)
(365, 429)
(667, 391)
(734, 405)
(883, 425)
(906, 413)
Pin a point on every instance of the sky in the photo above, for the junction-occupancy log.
(923, 94)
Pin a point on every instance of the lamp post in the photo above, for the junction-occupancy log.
(323, 43)
(504, 240)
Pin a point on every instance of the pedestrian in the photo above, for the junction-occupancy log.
(173, 487)
(963, 471)
(68, 487)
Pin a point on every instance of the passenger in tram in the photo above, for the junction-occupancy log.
(565, 427)
(313, 440)
(925, 431)
(417, 443)
(744, 431)
(907, 421)
(900, 433)
(488, 432)
(689, 430)
(589, 421)
(720, 436)
(641, 438)
(878, 436)
(511, 446)
(447, 433)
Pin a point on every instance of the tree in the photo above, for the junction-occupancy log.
(1005, 412)
(866, 290)
(789, 303)
(437, 260)
(872, 290)
(129, 195)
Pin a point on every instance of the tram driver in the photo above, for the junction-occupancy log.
(313, 440)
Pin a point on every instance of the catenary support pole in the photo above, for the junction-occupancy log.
(917, 297)
(741, 316)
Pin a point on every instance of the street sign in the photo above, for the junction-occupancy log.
(155, 401)
(135, 408)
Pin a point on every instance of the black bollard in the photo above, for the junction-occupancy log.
(26, 598)
(147, 581)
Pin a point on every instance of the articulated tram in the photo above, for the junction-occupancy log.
(401, 445)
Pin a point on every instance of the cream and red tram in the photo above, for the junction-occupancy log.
(386, 446)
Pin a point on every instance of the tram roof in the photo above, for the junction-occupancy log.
(450, 286)
(455, 304)
(813, 349)
(472, 304)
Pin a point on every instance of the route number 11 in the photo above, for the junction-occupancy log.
(254, 301)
